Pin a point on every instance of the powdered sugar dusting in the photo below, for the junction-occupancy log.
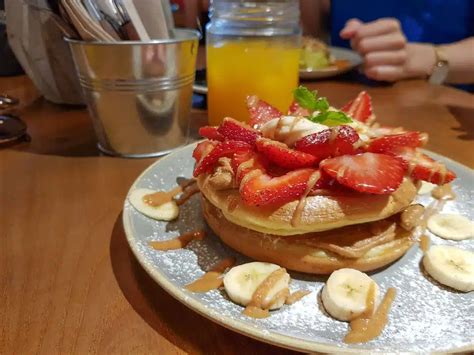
(425, 316)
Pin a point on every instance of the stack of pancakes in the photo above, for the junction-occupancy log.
(332, 231)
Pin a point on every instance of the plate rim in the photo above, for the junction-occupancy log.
(267, 336)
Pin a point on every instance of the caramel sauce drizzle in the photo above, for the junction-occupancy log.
(233, 203)
(245, 165)
(313, 179)
(255, 312)
(160, 197)
(179, 242)
(369, 326)
(443, 192)
(419, 232)
(424, 243)
(277, 130)
(333, 136)
(258, 308)
(212, 279)
(187, 182)
(296, 296)
(189, 191)
(280, 297)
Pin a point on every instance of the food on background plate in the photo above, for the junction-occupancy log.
(314, 54)
(314, 190)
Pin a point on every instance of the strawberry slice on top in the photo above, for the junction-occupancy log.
(281, 155)
(247, 161)
(260, 112)
(202, 149)
(422, 167)
(222, 149)
(360, 108)
(210, 132)
(238, 131)
(329, 142)
(389, 142)
(367, 172)
(264, 190)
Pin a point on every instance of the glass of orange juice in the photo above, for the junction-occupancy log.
(252, 49)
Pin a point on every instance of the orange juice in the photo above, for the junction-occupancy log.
(238, 68)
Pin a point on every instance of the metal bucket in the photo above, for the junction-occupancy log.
(138, 93)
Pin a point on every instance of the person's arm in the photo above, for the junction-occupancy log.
(388, 56)
(461, 61)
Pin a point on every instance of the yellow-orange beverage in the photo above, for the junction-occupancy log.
(241, 67)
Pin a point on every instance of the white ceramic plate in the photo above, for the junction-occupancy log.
(338, 53)
(425, 317)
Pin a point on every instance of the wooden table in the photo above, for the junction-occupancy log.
(68, 281)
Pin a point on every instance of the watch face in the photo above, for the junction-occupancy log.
(440, 73)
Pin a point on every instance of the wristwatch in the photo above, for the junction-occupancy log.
(441, 67)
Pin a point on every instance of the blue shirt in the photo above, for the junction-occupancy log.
(432, 21)
(429, 21)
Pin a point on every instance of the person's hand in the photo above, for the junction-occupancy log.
(386, 53)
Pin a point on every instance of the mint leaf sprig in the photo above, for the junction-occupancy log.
(309, 100)
(318, 107)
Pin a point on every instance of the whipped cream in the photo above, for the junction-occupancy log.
(288, 129)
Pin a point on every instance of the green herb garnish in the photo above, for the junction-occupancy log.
(331, 118)
(318, 107)
(309, 99)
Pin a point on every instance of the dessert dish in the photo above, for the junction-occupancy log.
(314, 190)
(319, 190)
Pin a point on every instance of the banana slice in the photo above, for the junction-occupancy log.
(426, 187)
(241, 282)
(451, 226)
(451, 266)
(165, 212)
(345, 294)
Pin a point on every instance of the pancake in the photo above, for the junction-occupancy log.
(315, 253)
(319, 213)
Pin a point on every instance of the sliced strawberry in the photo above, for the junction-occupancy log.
(280, 154)
(261, 112)
(262, 190)
(366, 172)
(238, 131)
(210, 132)
(296, 110)
(378, 131)
(222, 149)
(245, 162)
(329, 143)
(388, 143)
(360, 108)
(202, 149)
(422, 167)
